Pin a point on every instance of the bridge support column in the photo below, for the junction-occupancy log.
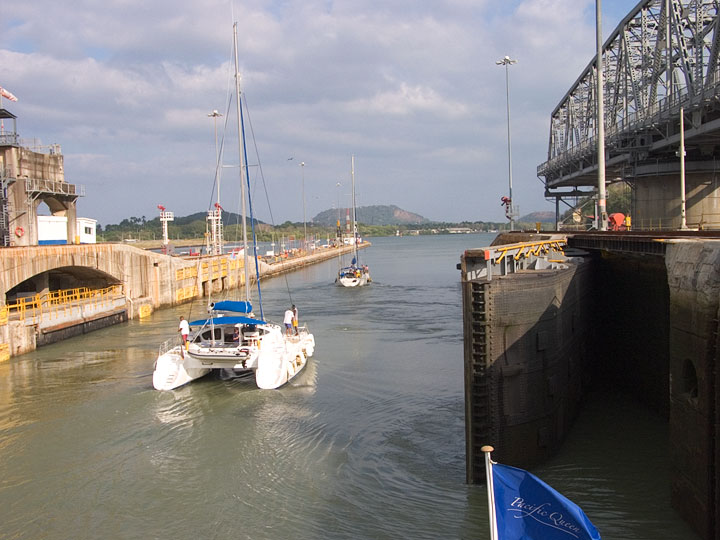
(657, 199)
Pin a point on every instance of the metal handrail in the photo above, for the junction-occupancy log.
(53, 186)
(510, 258)
(524, 249)
(169, 344)
(53, 302)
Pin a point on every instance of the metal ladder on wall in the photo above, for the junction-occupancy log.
(481, 380)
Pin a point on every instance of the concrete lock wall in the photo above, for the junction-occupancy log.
(694, 282)
(648, 324)
(526, 350)
(149, 281)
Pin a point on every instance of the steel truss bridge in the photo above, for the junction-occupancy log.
(662, 56)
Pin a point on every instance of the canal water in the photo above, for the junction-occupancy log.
(367, 443)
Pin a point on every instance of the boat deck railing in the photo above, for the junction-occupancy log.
(169, 344)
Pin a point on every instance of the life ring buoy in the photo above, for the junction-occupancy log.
(19, 231)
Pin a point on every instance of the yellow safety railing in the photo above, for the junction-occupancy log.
(4, 315)
(55, 303)
(527, 249)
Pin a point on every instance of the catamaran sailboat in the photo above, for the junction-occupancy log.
(355, 275)
(232, 339)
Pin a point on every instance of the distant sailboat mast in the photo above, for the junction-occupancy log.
(354, 223)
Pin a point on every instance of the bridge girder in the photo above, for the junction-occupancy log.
(662, 56)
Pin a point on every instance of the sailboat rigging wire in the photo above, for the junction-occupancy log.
(267, 196)
(252, 220)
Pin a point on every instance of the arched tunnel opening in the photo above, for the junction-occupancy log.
(57, 279)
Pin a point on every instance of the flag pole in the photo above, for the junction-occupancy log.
(491, 492)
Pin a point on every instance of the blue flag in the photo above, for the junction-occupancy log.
(528, 509)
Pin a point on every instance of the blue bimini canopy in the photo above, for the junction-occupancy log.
(227, 321)
(230, 305)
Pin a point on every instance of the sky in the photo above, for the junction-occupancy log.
(410, 88)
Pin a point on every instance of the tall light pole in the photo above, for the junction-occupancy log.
(214, 115)
(302, 168)
(600, 119)
(507, 62)
(338, 232)
(214, 240)
(338, 199)
(681, 152)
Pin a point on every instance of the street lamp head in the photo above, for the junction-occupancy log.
(215, 113)
(302, 163)
(505, 61)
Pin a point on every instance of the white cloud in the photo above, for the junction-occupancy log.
(409, 87)
(405, 100)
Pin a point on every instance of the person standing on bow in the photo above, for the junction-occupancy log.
(295, 320)
(288, 321)
(184, 329)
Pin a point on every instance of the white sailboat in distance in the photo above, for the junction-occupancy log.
(355, 275)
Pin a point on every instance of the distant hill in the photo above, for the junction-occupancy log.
(373, 215)
(228, 218)
(542, 217)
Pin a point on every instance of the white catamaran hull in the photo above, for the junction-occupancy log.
(277, 369)
(171, 370)
(276, 359)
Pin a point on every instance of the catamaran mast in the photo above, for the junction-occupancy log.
(354, 223)
(242, 165)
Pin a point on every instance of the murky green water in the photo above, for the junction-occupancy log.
(367, 443)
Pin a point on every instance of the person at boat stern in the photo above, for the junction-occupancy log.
(184, 329)
(288, 321)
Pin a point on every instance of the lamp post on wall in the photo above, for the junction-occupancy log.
(338, 231)
(214, 115)
(214, 237)
(507, 61)
(302, 168)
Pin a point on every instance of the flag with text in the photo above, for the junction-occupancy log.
(528, 509)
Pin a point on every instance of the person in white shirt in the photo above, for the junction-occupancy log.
(288, 321)
(184, 330)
